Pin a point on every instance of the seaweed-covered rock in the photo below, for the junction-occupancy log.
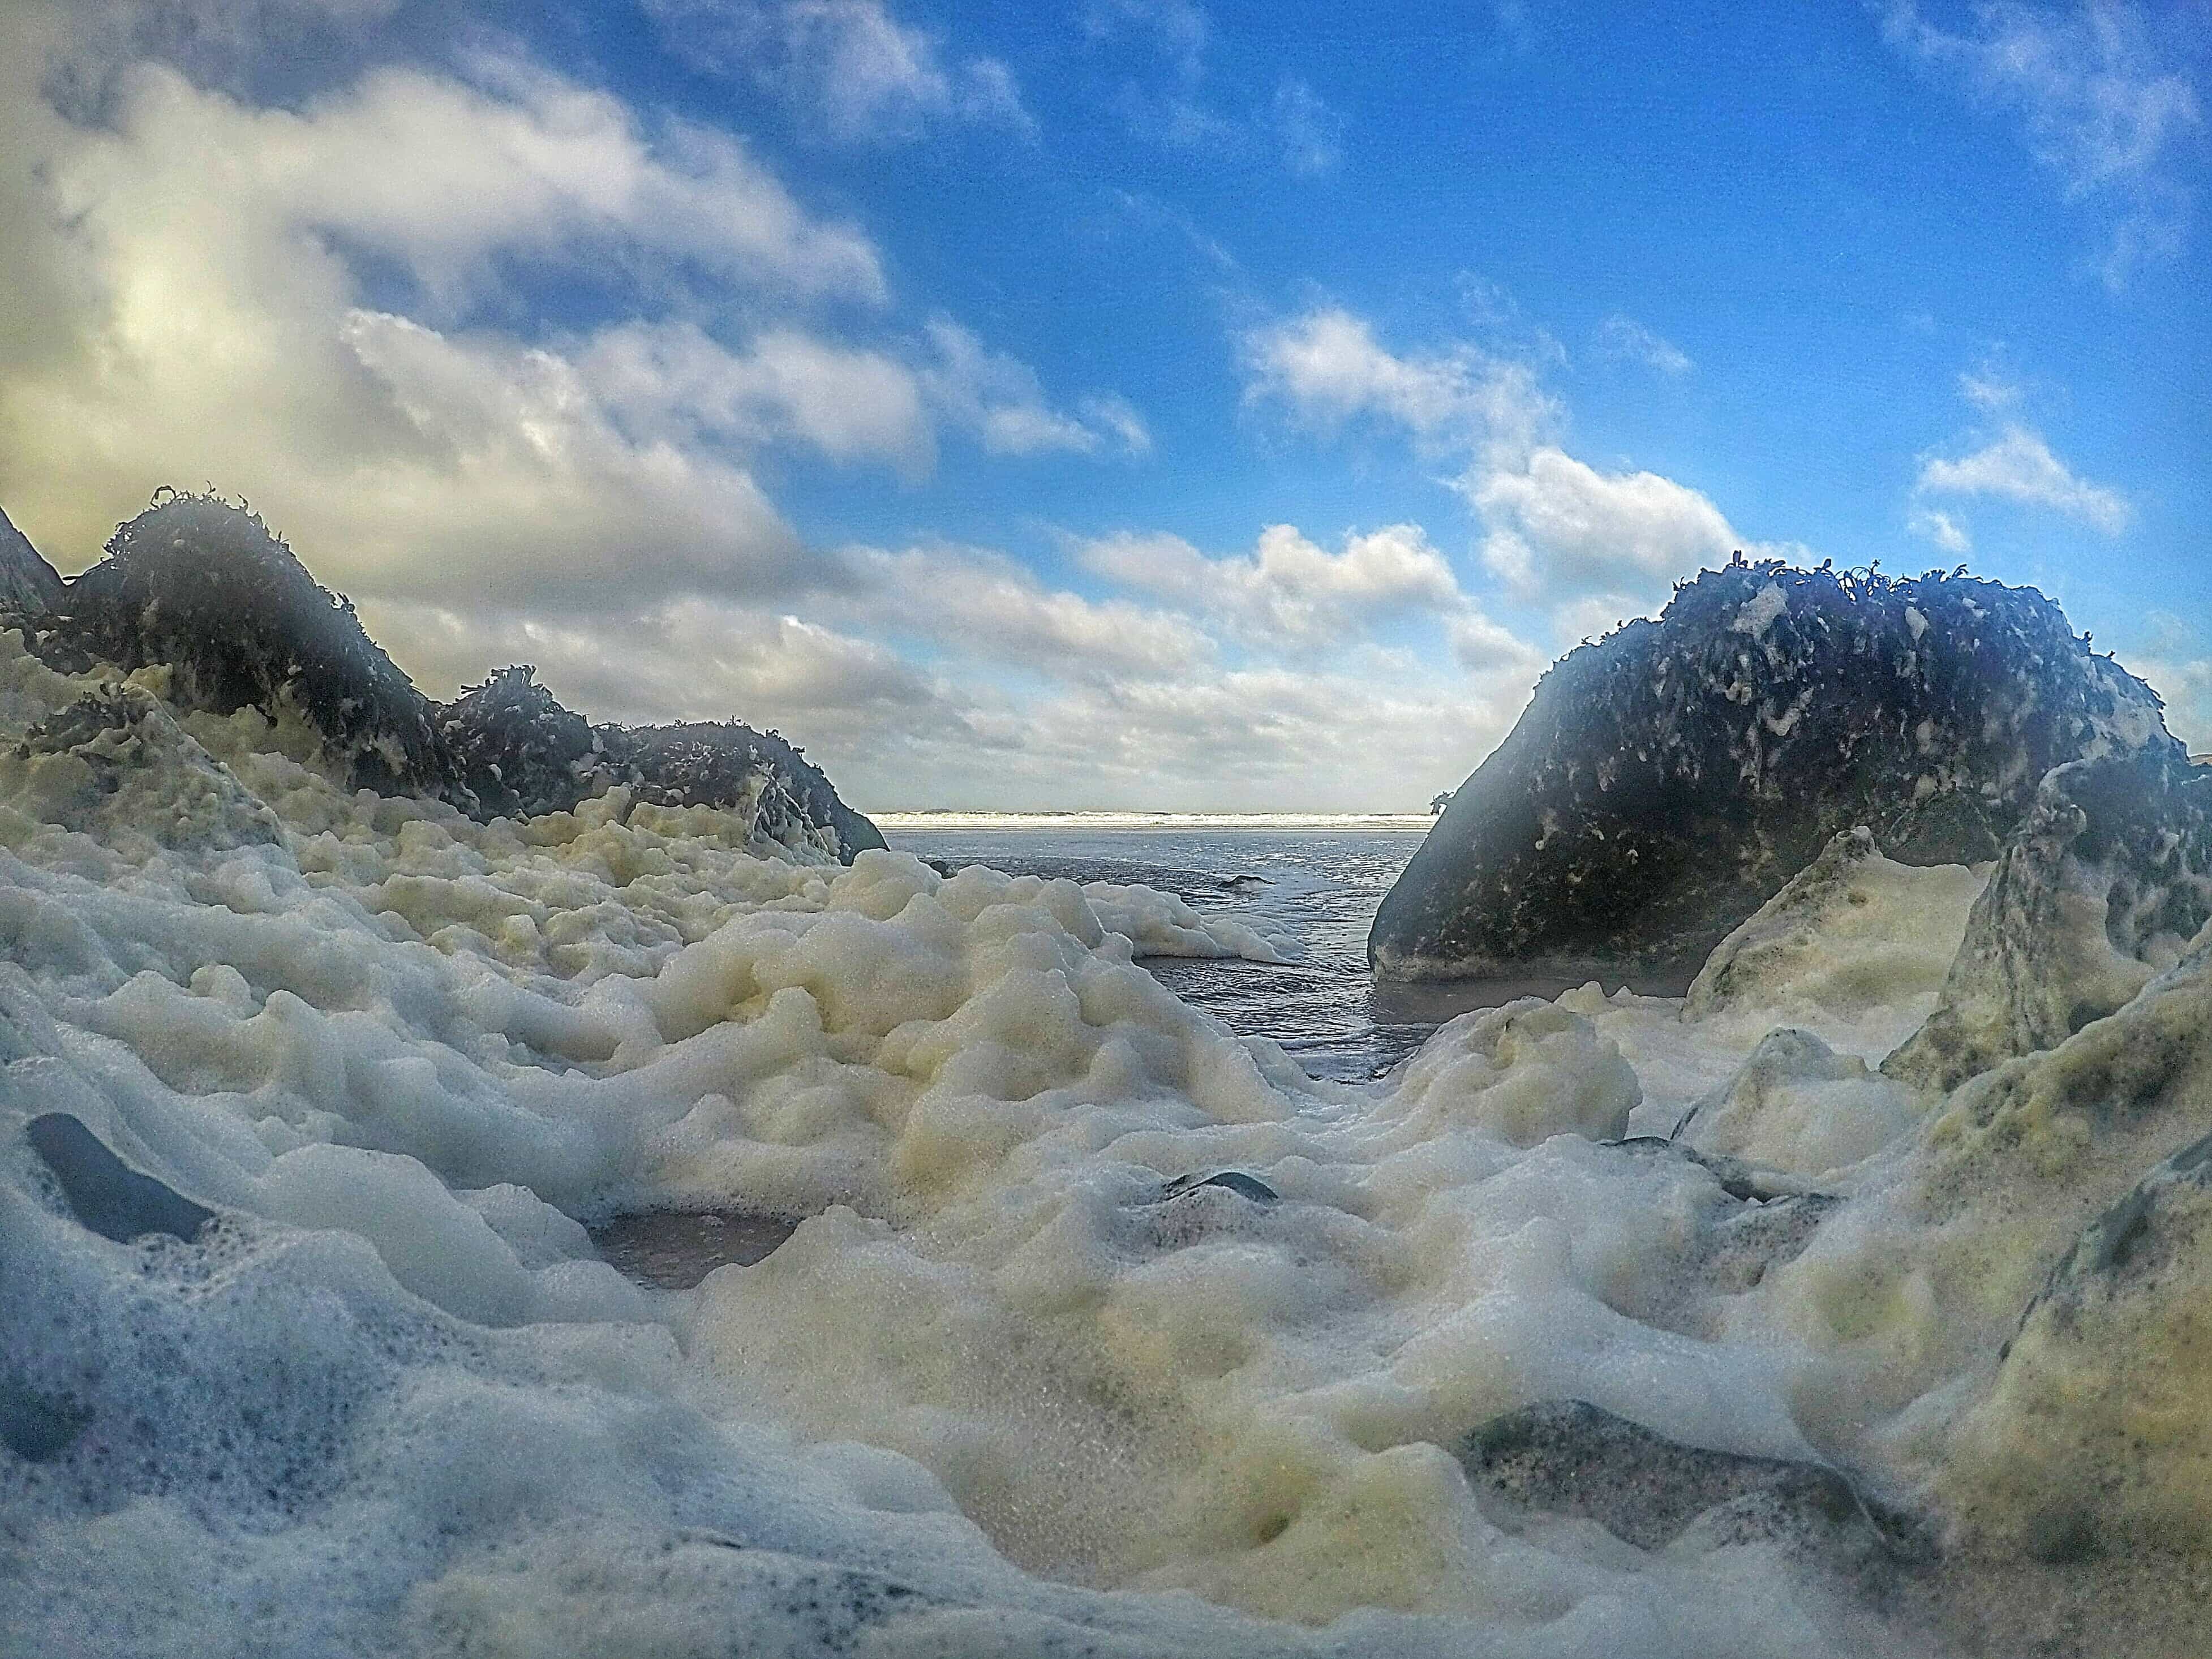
(518, 750)
(202, 586)
(724, 764)
(1668, 781)
(28, 585)
(2104, 887)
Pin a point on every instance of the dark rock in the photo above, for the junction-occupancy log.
(201, 584)
(105, 1193)
(1667, 781)
(1737, 1178)
(519, 751)
(2106, 884)
(1567, 1457)
(28, 585)
(1234, 1181)
(716, 763)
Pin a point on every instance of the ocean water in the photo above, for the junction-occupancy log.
(1314, 880)
(1316, 884)
(984, 1363)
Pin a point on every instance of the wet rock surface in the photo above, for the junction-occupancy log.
(1568, 1458)
(2106, 884)
(1668, 781)
(105, 1193)
(202, 587)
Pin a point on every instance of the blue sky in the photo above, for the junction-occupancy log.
(1114, 402)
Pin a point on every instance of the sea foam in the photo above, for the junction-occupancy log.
(1007, 1388)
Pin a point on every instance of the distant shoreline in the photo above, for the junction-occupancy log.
(1135, 820)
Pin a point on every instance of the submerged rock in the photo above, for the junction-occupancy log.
(1667, 781)
(105, 1193)
(2108, 882)
(1568, 1458)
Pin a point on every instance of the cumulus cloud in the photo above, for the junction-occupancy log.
(1558, 526)
(1288, 592)
(2018, 466)
(1327, 367)
(1557, 530)
(2106, 92)
(1624, 339)
(861, 73)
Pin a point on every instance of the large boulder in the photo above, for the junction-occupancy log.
(1668, 781)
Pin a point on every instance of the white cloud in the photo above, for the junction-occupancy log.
(442, 175)
(973, 602)
(858, 70)
(997, 399)
(671, 381)
(1941, 528)
(1558, 531)
(2108, 95)
(2018, 466)
(1557, 527)
(1626, 340)
(1289, 593)
(1327, 367)
(1990, 388)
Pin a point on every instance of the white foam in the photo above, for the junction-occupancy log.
(997, 1393)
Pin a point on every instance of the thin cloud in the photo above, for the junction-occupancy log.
(1623, 339)
(2108, 100)
(1311, 132)
(1941, 528)
(861, 74)
(2018, 466)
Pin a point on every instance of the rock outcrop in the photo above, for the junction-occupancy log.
(200, 586)
(2104, 887)
(28, 585)
(1668, 781)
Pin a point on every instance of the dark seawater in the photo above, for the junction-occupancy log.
(1320, 886)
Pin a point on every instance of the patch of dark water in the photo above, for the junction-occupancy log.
(674, 1249)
